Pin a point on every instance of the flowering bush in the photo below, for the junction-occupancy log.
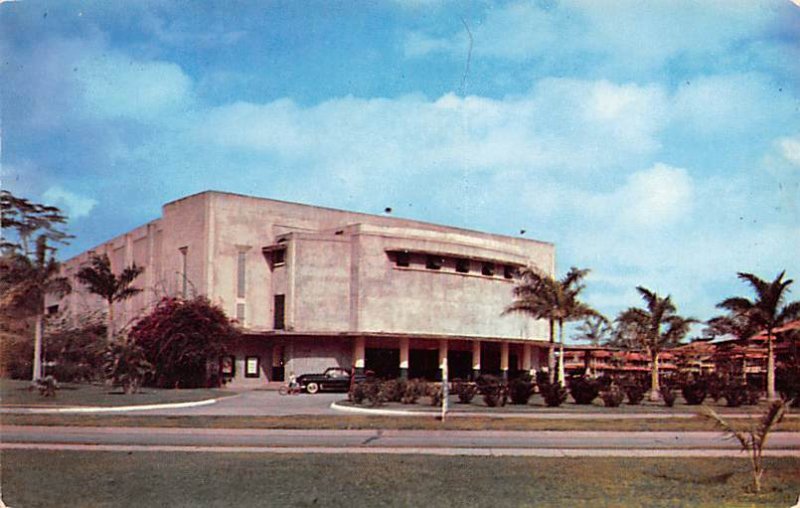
(180, 338)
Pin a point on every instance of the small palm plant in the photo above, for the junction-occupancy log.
(125, 365)
(754, 438)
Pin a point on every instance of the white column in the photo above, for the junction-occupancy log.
(504, 359)
(359, 354)
(526, 358)
(442, 353)
(404, 346)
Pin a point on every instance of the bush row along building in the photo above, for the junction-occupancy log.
(314, 287)
(744, 357)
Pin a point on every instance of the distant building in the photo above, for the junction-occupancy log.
(314, 287)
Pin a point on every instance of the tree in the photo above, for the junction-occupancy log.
(181, 337)
(100, 280)
(765, 313)
(27, 219)
(596, 329)
(654, 328)
(28, 274)
(125, 365)
(24, 283)
(542, 296)
(754, 438)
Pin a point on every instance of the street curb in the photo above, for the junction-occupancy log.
(533, 416)
(103, 409)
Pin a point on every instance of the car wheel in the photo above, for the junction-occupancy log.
(312, 388)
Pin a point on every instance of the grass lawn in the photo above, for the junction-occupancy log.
(18, 393)
(373, 422)
(76, 479)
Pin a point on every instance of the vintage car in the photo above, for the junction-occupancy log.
(334, 379)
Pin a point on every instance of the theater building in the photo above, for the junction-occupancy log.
(314, 287)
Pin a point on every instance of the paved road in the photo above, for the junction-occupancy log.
(260, 403)
(384, 438)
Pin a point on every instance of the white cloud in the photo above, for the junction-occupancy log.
(74, 205)
(563, 125)
(790, 149)
(114, 85)
(626, 34)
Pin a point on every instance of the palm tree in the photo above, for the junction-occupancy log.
(596, 329)
(25, 282)
(654, 328)
(100, 280)
(542, 296)
(766, 312)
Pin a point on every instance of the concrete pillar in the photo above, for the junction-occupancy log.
(476, 359)
(526, 358)
(359, 355)
(504, 359)
(442, 356)
(404, 357)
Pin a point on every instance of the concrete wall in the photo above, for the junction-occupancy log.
(339, 276)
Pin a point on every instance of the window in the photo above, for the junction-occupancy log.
(509, 272)
(280, 312)
(251, 366)
(402, 259)
(240, 313)
(433, 262)
(279, 257)
(240, 274)
(184, 279)
(53, 309)
(462, 265)
(488, 269)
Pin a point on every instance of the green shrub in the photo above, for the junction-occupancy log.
(668, 395)
(356, 395)
(125, 365)
(735, 394)
(635, 393)
(554, 394)
(373, 393)
(520, 389)
(584, 389)
(493, 390)
(393, 390)
(414, 389)
(612, 396)
(694, 391)
(465, 391)
(434, 391)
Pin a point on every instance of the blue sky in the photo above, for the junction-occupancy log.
(657, 143)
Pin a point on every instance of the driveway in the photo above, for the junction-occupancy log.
(260, 403)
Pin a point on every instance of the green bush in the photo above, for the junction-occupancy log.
(668, 395)
(694, 391)
(434, 391)
(554, 394)
(584, 389)
(493, 390)
(125, 365)
(180, 337)
(465, 391)
(414, 389)
(520, 389)
(612, 396)
(735, 394)
(635, 393)
(356, 395)
(393, 390)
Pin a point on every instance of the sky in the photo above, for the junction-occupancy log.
(656, 143)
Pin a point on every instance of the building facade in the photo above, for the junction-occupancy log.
(315, 287)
